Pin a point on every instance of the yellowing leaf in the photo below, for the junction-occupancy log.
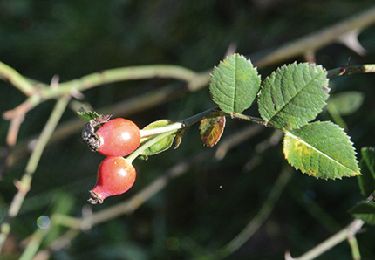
(321, 149)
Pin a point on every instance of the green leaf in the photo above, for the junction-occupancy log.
(365, 210)
(321, 149)
(345, 103)
(88, 115)
(234, 84)
(165, 143)
(366, 181)
(293, 95)
(211, 130)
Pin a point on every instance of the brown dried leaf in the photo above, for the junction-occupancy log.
(211, 130)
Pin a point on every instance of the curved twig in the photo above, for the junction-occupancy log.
(314, 41)
(334, 240)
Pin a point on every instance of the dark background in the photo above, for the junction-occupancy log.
(193, 217)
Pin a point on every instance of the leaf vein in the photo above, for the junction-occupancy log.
(318, 151)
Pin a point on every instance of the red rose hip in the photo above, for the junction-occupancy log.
(118, 137)
(115, 177)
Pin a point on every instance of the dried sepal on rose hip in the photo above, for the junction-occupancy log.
(115, 137)
(115, 177)
(88, 133)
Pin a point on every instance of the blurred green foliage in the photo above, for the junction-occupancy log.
(202, 210)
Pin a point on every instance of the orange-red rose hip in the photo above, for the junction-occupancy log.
(115, 177)
(118, 137)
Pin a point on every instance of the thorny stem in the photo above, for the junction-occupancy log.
(24, 185)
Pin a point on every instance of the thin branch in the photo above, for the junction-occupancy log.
(250, 118)
(194, 79)
(24, 185)
(334, 240)
(351, 69)
(212, 112)
(21, 109)
(168, 130)
(159, 130)
(14, 127)
(255, 223)
(348, 232)
(316, 40)
(16, 79)
(354, 248)
(33, 245)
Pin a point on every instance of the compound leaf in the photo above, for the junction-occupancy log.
(293, 95)
(321, 149)
(234, 84)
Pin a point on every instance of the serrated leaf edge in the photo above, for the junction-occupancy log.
(318, 151)
(278, 70)
(236, 55)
